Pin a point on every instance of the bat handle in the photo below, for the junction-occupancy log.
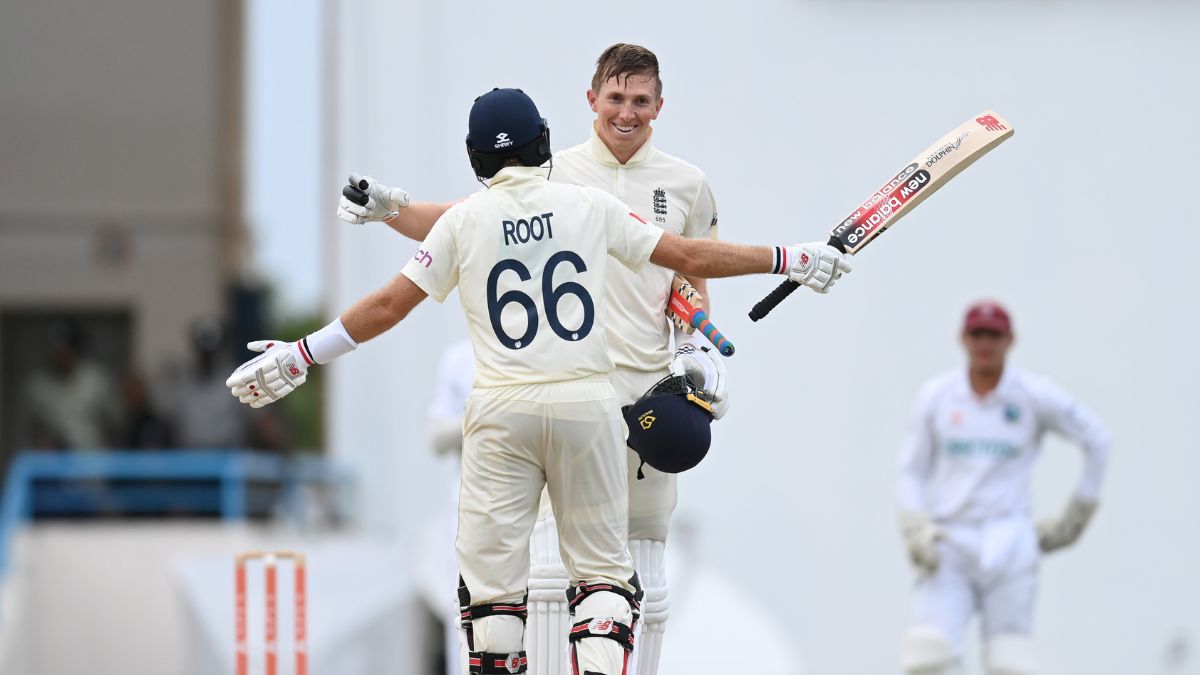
(764, 306)
(356, 191)
(700, 322)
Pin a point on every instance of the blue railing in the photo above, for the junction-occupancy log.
(216, 482)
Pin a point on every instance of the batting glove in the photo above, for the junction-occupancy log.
(270, 376)
(815, 265)
(697, 359)
(1065, 530)
(365, 201)
(921, 537)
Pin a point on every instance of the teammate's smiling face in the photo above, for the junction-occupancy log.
(624, 108)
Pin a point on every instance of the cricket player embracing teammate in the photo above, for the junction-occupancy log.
(619, 158)
(964, 483)
(544, 411)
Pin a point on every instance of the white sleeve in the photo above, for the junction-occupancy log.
(434, 267)
(917, 454)
(1060, 412)
(702, 217)
(630, 238)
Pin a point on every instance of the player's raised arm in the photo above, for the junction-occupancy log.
(366, 200)
(814, 264)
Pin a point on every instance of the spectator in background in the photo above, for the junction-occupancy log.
(203, 414)
(71, 398)
(144, 428)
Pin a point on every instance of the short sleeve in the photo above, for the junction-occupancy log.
(434, 267)
(702, 217)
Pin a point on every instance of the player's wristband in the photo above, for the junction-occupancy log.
(327, 344)
(781, 263)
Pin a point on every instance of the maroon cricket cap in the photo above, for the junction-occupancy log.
(987, 315)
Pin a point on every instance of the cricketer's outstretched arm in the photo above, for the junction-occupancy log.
(417, 219)
(376, 313)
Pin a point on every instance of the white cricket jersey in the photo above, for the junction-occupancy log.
(968, 458)
(530, 260)
(665, 191)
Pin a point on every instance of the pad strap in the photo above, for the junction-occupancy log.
(489, 663)
(578, 592)
(606, 627)
(468, 613)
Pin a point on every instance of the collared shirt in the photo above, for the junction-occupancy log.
(665, 191)
(970, 458)
(530, 260)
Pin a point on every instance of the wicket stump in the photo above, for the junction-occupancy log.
(270, 566)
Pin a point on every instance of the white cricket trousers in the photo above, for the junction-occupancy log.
(989, 568)
(566, 436)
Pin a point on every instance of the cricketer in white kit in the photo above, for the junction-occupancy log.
(451, 386)
(963, 489)
(530, 258)
(619, 158)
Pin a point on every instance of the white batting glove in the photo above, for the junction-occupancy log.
(1065, 530)
(816, 265)
(269, 376)
(698, 360)
(921, 537)
(373, 203)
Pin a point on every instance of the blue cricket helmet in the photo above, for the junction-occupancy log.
(669, 425)
(505, 124)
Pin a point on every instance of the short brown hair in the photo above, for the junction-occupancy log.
(626, 60)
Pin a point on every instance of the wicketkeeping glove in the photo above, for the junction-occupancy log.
(1065, 530)
(365, 201)
(815, 265)
(270, 376)
(697, 359)
(921, 537)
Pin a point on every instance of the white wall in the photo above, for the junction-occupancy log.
(1081, 223)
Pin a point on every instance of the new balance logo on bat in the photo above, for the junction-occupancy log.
(990, 123)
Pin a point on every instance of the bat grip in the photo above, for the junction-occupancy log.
(764, 306)
(700, 322)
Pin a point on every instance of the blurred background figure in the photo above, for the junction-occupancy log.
(204, 413)
(437, 566)
(965, 474)
(143, 427)
(71, 398)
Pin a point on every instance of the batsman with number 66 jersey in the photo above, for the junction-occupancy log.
(619, 158)
(531, 261)
(965, 470)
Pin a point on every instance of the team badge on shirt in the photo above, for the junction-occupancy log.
(1012, 413)
(660, 205)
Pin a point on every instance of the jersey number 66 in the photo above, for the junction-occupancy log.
(550, 296)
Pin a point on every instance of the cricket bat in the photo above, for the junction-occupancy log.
(684, 304)
(913, 184)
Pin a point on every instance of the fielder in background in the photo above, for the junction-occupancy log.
(965, 506)
(452, 386)
(619, 158)
(530, 259)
